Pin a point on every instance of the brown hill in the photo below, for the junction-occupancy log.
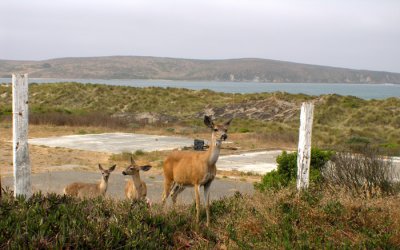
(136, 67)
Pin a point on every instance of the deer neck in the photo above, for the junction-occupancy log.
(213, 151)
(136, 181)
(103, 185)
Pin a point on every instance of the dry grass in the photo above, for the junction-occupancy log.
(283, 220)
(45, 159)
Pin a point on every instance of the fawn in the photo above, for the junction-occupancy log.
(90, 190)
(136, 188)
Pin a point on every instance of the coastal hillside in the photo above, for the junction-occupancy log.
(338, 120)
(136, 67)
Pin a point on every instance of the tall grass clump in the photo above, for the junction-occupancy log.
(366, 174)
(96, 119)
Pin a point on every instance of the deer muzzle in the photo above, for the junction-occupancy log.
(224, 137)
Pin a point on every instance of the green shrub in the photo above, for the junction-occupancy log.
(272, 180)
(286, 172)
(139, 152)
(287, 166)
(244, 130)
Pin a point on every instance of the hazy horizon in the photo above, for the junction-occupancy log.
(351, 34)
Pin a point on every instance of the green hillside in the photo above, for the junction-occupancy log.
(339, 120)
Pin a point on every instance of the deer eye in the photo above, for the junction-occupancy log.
(215, 129)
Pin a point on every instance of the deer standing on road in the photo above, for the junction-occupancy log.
(187, 168)
(90, 190)
(136, 188)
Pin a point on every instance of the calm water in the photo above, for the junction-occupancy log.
(365, 91)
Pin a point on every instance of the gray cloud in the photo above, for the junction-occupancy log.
(354, 33)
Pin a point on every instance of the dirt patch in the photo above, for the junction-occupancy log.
(45, 158)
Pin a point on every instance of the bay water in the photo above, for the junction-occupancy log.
(365, 91)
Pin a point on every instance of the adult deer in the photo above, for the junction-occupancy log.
(187, 168)
(136, 188)
(90, 190)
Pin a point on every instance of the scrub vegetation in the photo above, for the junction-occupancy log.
(281, 219)
(339, 120)
(354, 213)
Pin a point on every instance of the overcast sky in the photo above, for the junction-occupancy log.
(360, 34)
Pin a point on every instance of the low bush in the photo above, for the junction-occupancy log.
(367, 174)
(55, 221)
(286, 172)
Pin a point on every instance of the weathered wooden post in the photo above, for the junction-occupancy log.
(304, 150)
(22, 168)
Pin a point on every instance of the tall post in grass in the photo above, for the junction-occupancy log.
(304, 150)
(22, 168)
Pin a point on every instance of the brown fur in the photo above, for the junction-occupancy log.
(135, 188)
(185, 168)
(90, 190)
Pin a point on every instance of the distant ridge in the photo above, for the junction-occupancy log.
(140, 67)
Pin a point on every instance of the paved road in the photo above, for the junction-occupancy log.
(56, 181)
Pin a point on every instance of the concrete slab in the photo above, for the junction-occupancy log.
(255, 162)
(115, 142)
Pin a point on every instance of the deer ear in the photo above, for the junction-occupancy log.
(227, 123)
(145, 167)
(208, 122)
(132, 161)
(112, 168)
(100, 167)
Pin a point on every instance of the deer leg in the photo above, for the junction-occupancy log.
(207, 201)
(197, 193)
(177, 190)
(168, 185)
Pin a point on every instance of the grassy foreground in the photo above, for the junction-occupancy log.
(281, 220)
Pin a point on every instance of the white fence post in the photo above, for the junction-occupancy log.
(21, 163)
(304, 150)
